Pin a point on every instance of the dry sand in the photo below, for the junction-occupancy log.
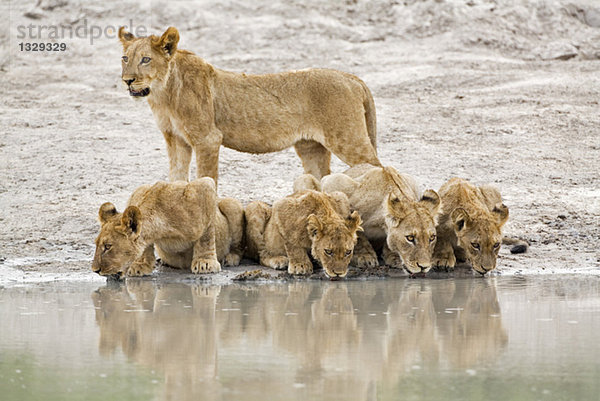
(495, 91)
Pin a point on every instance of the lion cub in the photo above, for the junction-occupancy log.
(469, 227)
(184, 221)
(307, 221)
(396, 218)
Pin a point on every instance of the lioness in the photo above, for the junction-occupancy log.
(308, 221)
(183, 220)
(469, 228)
(199, 108)
(395, 217)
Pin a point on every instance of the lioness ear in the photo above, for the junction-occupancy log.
(354, 221)
(432, 200)
(107, 210)
(125, 37)
(501, 213)
(167, 42)
(314, 226)
(395, 210)
(131, 220)
(460, 218)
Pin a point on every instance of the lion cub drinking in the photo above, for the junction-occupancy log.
(469, 227)
(307, 221)
(396, 218)
(184, 221)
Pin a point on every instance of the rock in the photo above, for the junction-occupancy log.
(556, 51)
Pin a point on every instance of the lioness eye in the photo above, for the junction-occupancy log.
(475, 245)
(107, 247)
(125, 59)
(432, 238)
(328, 252)
(496, 245)
(410, 238)
(145, 60)
(348, 252)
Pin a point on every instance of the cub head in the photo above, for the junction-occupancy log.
(146, 59)
(410, 227)
(333, 242)
(117, 244)
(480, 236)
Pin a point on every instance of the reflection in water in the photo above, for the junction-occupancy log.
(337, 340)
(497, 338)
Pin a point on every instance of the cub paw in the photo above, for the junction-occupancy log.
(139, 270)
(276, 262)
(300, 268)
(232, 259)
(201, 266)
(445, 261)
(365, 260)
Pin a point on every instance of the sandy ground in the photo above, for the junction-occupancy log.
(495, 91)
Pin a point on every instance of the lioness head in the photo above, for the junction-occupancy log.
(333, 242)
(146, 59)
(117, 245)
(480, 236)
(411, 230)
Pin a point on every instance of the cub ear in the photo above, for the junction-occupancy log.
(125, 37)
(314, 226)
(353, 222)
(460, 218)
(131, 220)
(501, 213)
(395, 210)
(432, 200)
(107, 210)
(167, 42)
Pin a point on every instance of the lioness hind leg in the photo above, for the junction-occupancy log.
(364, 255)
(204, 259)
(144, 265)
(315, 158)
(352, 150)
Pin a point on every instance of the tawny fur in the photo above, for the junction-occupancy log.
(396, 218)
(183, 221)
(199, 108)
(308, 222)
(470, 226)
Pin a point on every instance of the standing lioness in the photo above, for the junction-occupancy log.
(199, 108)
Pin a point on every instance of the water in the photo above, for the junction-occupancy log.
(502, 338)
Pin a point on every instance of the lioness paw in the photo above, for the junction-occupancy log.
(201, 266)
(139, 270)
(232, 259)
(365, 260)
(445, 261)
(300, 268)
(393, 260)
(276, 262)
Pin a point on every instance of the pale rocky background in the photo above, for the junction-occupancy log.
(495, 91)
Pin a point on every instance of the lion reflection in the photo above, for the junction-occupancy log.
(339, 338)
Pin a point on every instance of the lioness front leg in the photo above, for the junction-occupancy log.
(443, 255)
(144, 265)
(299, 262)
(180, 156)
(278, 262)
(204, 259)
(207, 154)
(364, 255)
(391, 258)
